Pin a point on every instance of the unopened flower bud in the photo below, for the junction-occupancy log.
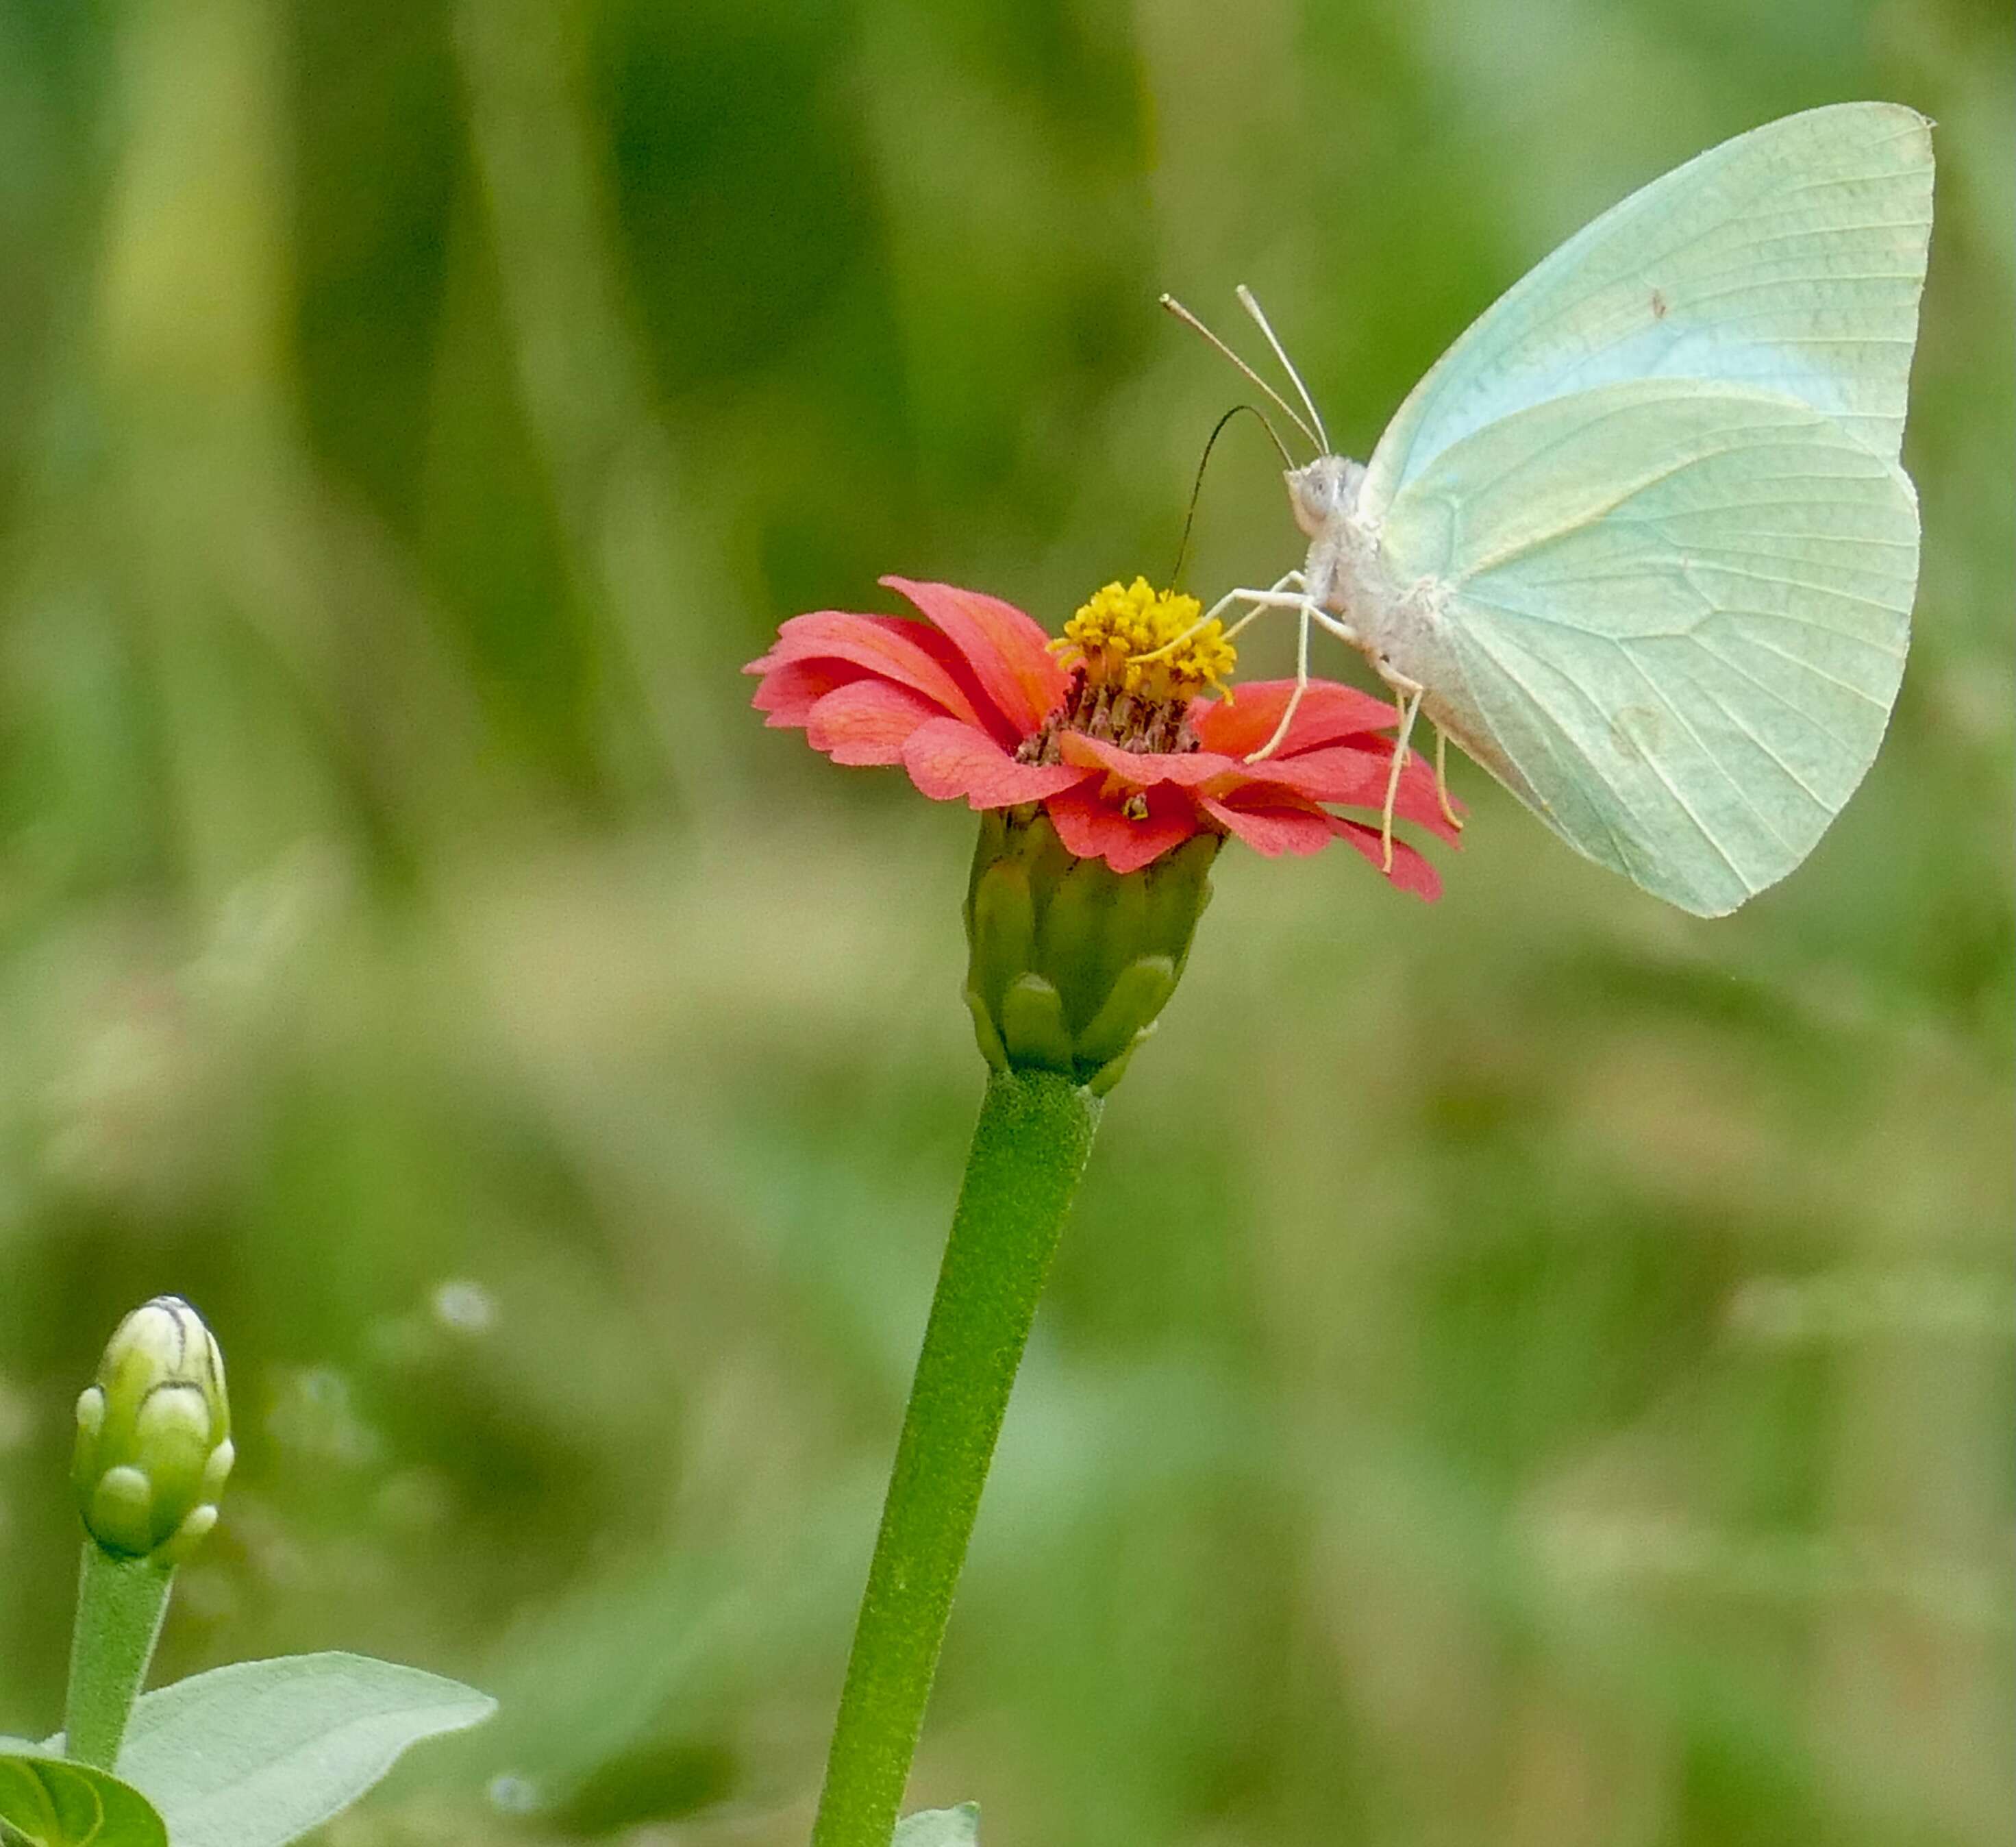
(1070, 961)
(153, 1435)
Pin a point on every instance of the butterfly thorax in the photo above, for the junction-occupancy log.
(1401, 626)
(1398, 623)
(1346, 571)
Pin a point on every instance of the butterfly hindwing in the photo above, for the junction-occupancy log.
(1677, 612)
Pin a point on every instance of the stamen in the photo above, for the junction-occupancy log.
(1138, 656)
(1147, 642)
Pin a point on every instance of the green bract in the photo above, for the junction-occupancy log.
(1072, 961)
(153, 1435)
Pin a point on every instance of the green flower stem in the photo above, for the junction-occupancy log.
(1029, 1148)
(120, 1605)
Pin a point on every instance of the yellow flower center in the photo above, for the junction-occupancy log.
(1136, 639)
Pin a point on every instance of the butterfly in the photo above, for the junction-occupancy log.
(1639, 541)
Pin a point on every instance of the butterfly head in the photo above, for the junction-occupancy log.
(1321, 491)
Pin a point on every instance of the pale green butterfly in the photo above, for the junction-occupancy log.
(1639, 541)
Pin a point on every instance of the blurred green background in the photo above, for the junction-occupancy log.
(1531, 1372)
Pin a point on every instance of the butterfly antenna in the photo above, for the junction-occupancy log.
(1204, 461)
(1252, 306)
(1294, 417)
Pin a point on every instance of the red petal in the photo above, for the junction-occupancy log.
(1410, 873)
(1096, 830)
(1273, 828)
(868, 721)
(1008, 653)
(897, 648)
(1357, 776)
(789, 693)
(1328, 712)
(946, 759)
(1142, 769)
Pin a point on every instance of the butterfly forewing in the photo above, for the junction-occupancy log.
(1789, 259)
(1676, 612)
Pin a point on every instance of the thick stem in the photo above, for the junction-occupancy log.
(1029, 1148)
(120, 1605)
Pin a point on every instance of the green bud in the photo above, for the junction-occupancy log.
(1070, 961)
(153, 1435)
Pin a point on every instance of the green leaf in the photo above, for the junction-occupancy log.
(937, 1827)
(49, 1802)
(257, 1754)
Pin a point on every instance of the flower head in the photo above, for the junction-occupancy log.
(1125, 755)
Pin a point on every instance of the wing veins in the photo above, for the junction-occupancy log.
(1692, 631)
(1714, 762)
(1652, 263)
(1777, 698)
(1800, 661)
(1739, 506)
(1620, 844)
(1735, 667)
(1791, 775)
(1757, 576)
(1832, 538)
(1582, 692)
(1540, 542)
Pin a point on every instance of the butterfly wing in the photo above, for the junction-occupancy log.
(1789, 259)
(1670, 616)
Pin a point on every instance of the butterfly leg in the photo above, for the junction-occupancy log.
(1407, 698)
(1441, 780)
(1292, 582)
(1275, 598)
(1301, 685)
(1309, 612)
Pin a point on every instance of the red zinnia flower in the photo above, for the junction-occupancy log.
(974, 703)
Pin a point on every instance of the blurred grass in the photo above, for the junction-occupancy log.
(1537, 1371)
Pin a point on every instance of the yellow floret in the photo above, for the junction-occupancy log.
(1112, 633)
